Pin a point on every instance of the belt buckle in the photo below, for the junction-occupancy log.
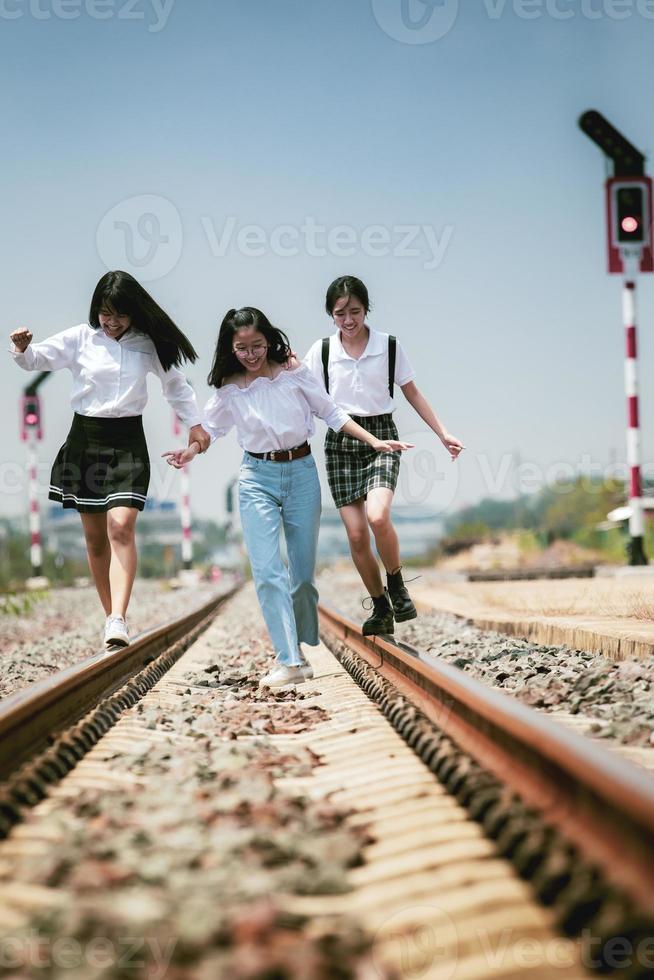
(290, 454)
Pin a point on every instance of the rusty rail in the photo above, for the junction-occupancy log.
(31, 719)
(601, 803)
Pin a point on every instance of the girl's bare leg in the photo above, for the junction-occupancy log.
(378, 508)
(121, 523)
(356, 524)
(98, 551)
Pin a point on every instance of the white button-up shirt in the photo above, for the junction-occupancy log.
(272, 413)
(109, 376)
(360, 386)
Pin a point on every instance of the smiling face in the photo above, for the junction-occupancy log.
(350, 316)
(114, 324)
(250, 348)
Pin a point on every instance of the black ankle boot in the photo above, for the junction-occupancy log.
(403, 607)
(381, 620)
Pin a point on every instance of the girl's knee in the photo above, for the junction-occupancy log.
(97, 545)
(359, 538)
(120, 531)
(380, 521)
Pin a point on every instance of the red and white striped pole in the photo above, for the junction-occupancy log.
(636, 519)
(36, 551)
(185, 510)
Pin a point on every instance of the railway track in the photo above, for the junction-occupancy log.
(494, 839)
(47, 727)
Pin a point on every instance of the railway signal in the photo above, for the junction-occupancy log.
(30, 416)
(629, 251)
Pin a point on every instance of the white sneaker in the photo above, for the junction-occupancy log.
(281, 676)
(115, 632)
(306, 667)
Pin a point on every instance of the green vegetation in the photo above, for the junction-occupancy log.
(571, 511)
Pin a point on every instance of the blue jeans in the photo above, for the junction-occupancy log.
(271, 495)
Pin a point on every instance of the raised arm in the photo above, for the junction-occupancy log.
(58, 351)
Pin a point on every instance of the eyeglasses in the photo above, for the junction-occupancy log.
(257, 350)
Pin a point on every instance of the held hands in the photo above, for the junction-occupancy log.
(453, 445)
(179, 457)
(390, 446)
(21, 338)
(197, 434)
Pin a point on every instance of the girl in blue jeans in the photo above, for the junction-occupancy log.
(272, 410)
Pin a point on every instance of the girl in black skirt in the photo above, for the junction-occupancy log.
(103, 469)
(360, 367)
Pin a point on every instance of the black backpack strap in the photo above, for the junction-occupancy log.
(325, 361)
(392, 345)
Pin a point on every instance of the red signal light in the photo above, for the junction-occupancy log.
(31, 419)
(629, 225)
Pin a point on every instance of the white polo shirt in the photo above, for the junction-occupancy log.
(360, 386)
(109, 376)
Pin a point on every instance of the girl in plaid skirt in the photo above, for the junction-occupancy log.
(359, 367)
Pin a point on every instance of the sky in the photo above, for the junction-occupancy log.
(247, 152)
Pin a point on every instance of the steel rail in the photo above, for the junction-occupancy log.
(31, 719)
(601, 803)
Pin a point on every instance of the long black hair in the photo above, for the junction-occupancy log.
(121, 293)
(346, 286)
(225, 361)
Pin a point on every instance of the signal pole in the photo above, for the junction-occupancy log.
(185, 508)
(629, 250)
(31, 432)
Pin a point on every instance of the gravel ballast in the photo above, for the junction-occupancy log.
(618, 696)
(178, 860)
(42, 632)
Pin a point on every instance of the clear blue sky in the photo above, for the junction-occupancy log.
(157, 134)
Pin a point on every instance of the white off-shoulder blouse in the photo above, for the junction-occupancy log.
(272, 413)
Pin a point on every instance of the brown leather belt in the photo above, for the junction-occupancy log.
(283, 455)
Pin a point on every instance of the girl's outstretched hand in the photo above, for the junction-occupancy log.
(21, 338)
(452, 444)
(180, 457)
(391, 446)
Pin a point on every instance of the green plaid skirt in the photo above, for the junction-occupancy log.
(353, 468)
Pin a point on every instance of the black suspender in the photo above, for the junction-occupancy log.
(392, 346)
(325, 362)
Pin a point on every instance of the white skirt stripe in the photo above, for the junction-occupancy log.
(98, 501)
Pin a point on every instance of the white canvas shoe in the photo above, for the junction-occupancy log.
(281, 676)
(306, 667)
(116, 633)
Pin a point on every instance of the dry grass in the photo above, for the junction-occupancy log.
(606, 598)
(611, 616)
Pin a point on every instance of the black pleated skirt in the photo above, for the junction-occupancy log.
(103, 463)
